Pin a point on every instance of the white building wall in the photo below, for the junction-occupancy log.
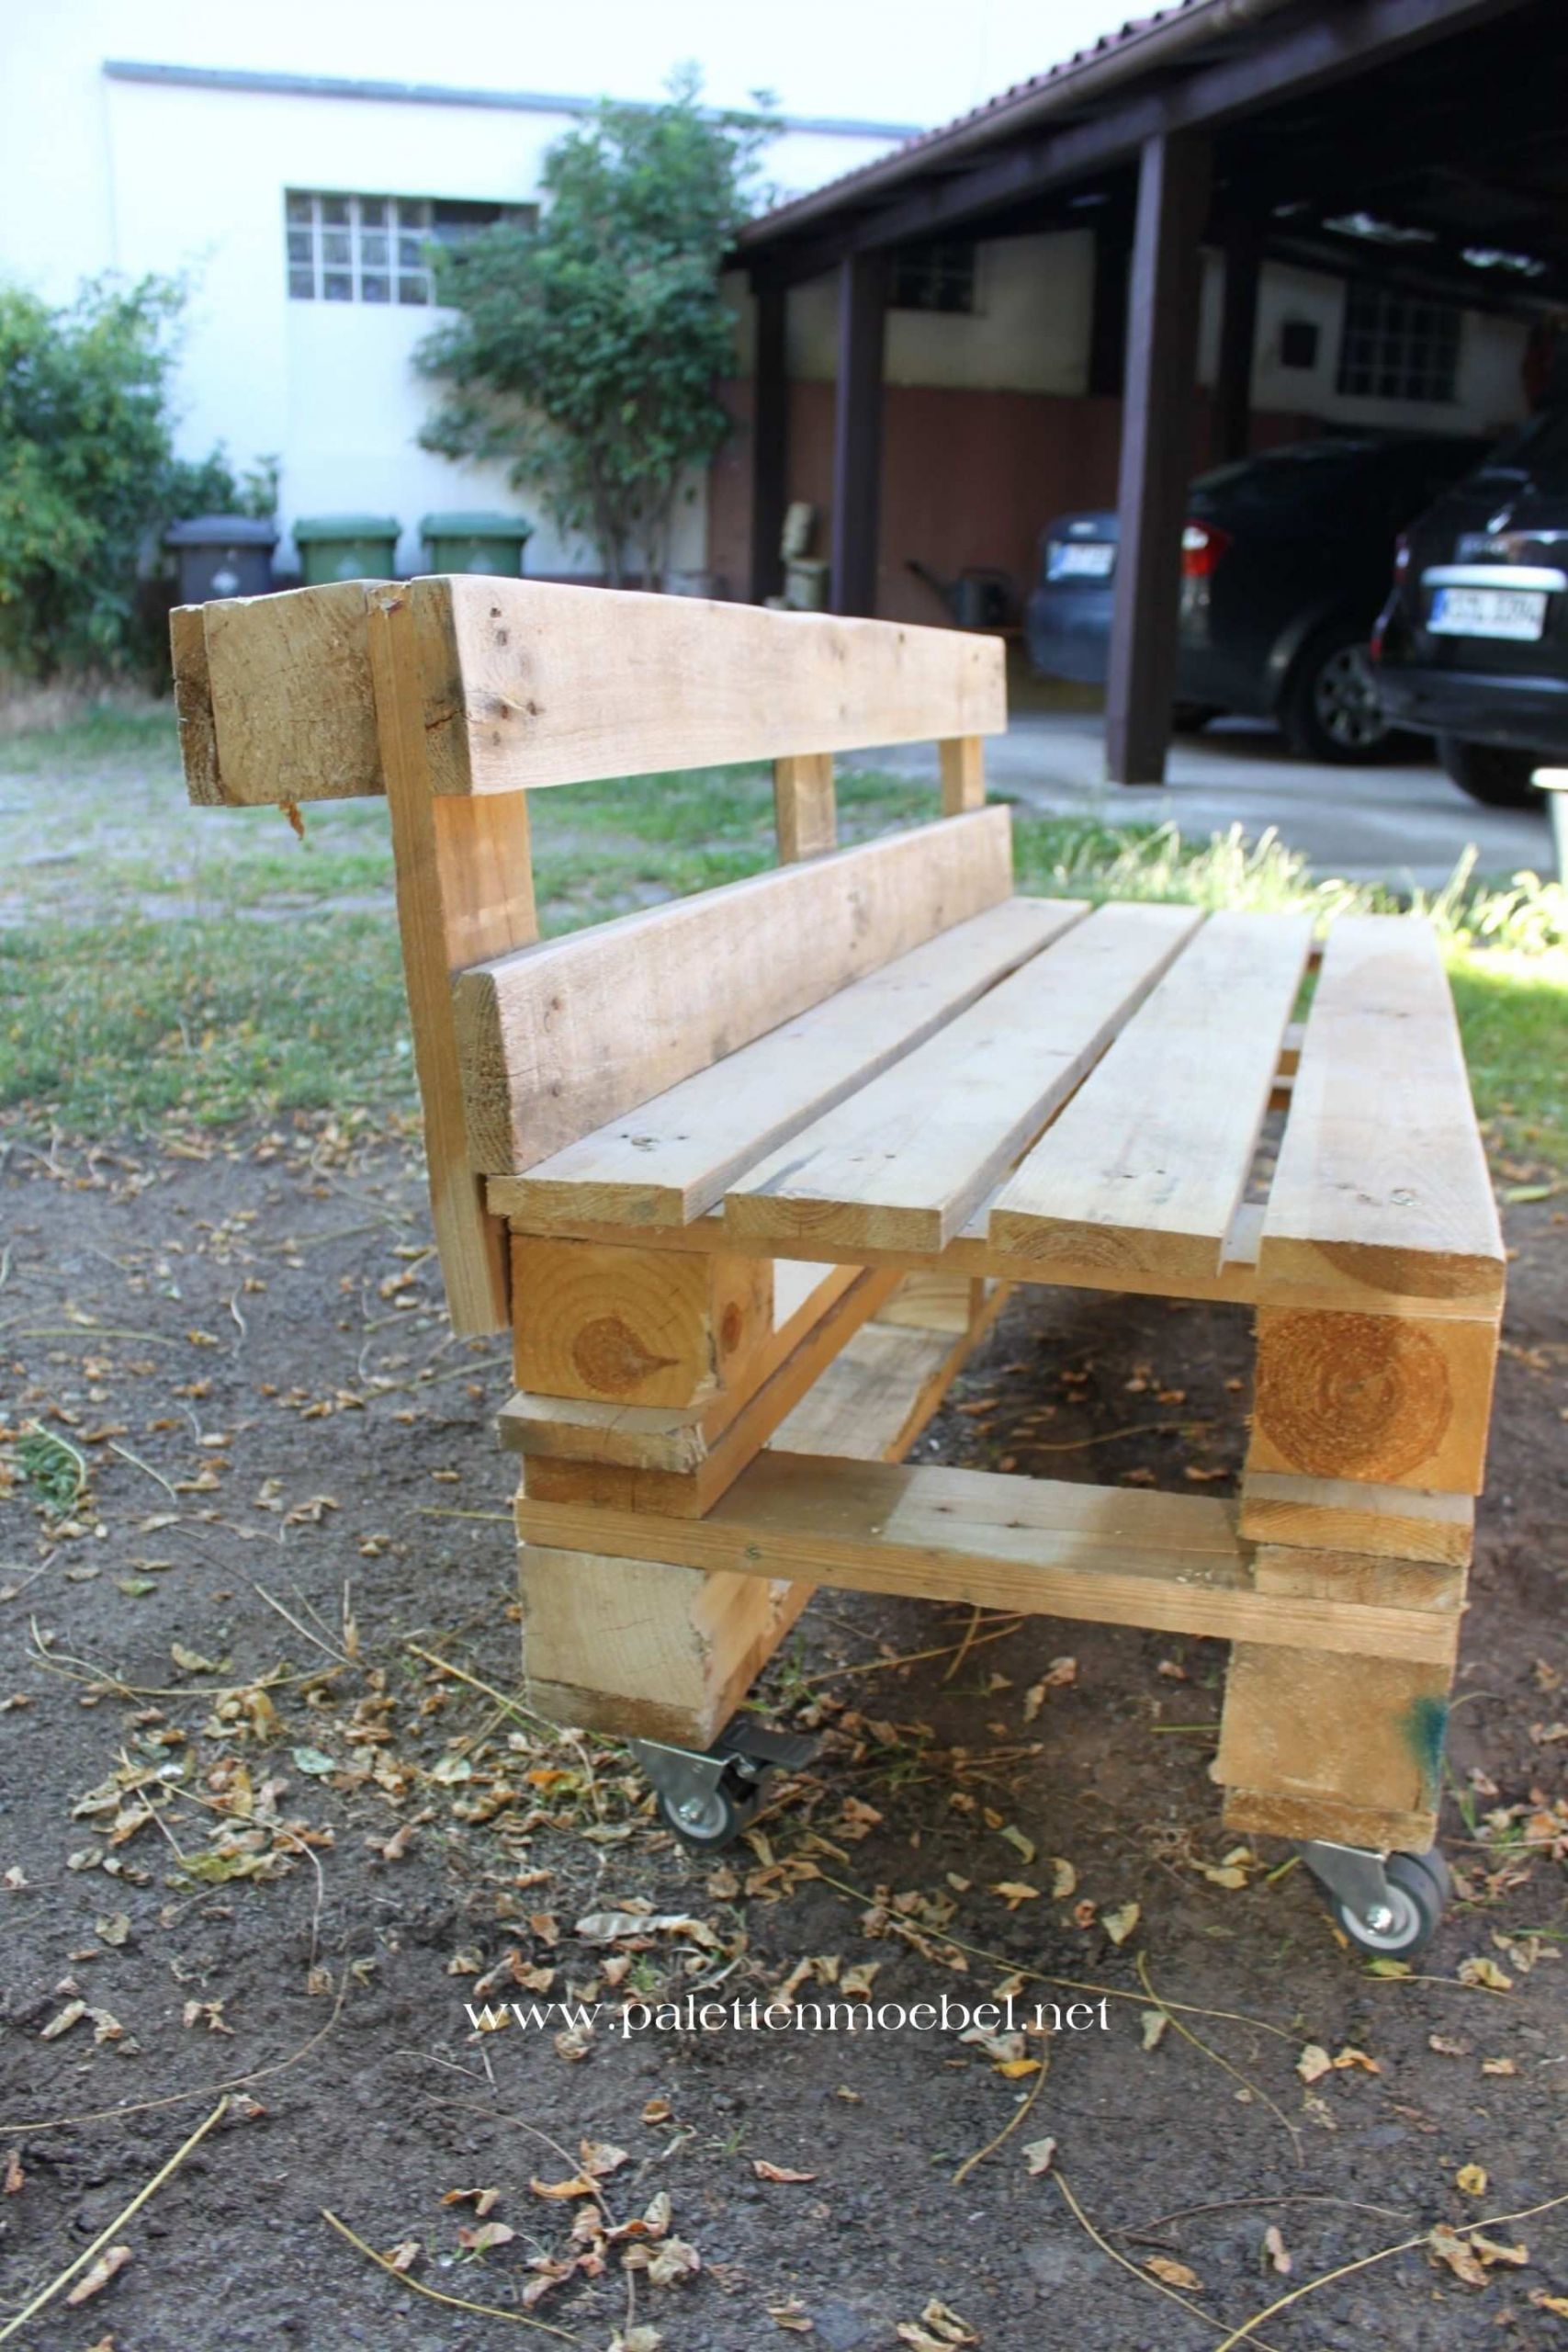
(100, 174)
(1489, 393)
(1028, 332)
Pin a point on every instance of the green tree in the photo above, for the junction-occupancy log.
(587, 349)
(88, 477)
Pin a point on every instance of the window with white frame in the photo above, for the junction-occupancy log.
(1397, 346)
(378, 248)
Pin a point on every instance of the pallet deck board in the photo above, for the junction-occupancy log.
(901, 1163)
(1146, 1167)
(1382, 1194)
(669, 1159)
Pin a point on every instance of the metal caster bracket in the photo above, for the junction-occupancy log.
(1354, 1877)
(707, 1797)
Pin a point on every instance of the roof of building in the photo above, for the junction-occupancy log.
(1124, 50)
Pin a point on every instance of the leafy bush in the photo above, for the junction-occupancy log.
(587, 349)
(89, 476)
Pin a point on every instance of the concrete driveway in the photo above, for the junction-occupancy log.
(1403, 823)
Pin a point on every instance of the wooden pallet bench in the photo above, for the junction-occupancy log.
(748, 1174)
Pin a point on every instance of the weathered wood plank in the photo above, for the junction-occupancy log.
(901, 1163)
(1396, 1523)
(1108, 1555)
(552, 684)
(465, 889)
(293, 706)
(562, 1038)
(1382, 1191)
(1146, 1167)
(563, 685)
(669, 1159)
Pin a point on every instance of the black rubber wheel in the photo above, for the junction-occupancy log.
(708, 1823)
(1491, 773)
(1331, 712)
(1419, 1890)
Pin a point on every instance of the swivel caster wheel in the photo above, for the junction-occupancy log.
(707, 1820)
(1388, 1905)
(1406, 1921)
(708, 1801)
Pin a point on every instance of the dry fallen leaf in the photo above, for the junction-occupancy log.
(601, 2158)
(1314, 2062)
(1481, 1971)
(1274, 2247)
(93, 2282)
(14, 2177)
(577, 2185)
(1118, 1924)
(1037, 2155)
(1013, 1892)
(939, 2329)
(1447, 2247)
(1472, 2178)
(1063, 1877)
(1175, 2273)
(1153, 2023)
(765, 2171)
(790, 2315)
(478, 2237)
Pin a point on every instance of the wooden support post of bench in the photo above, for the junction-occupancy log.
(1325, 1744)
(656, 1649)
(805, 810)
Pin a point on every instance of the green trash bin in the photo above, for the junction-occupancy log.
(491, 543)
(346, 547)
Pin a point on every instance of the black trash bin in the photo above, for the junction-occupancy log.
(222, 555)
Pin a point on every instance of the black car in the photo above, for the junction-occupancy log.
(1285, 560)
(1472, 645)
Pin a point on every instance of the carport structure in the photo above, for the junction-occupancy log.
(1417, 143)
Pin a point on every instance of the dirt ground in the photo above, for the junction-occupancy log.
(254, 1832)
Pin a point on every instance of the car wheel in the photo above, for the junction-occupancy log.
(1331, 710)
(1491, 773)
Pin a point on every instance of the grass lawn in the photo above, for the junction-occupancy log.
(163, 966)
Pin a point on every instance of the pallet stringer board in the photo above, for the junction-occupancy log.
(1109, 1555)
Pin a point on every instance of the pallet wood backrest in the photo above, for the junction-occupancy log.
(457, 697)
(533, 683)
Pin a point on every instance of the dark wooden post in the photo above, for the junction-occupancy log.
(857, 431)
(770, 441)
(1157, 451)
(1231, 419)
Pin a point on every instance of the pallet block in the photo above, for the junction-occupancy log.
(749, 1174)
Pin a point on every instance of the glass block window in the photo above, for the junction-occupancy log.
(377, 248)
(1396, 347)
(934, 278)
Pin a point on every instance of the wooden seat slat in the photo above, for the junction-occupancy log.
(1145, 1169)
(901, 1163)
(560, 1039)
(1382, 1191)
(669, 1159)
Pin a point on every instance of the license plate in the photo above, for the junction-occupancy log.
(1517, 613)
(1083, 560)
